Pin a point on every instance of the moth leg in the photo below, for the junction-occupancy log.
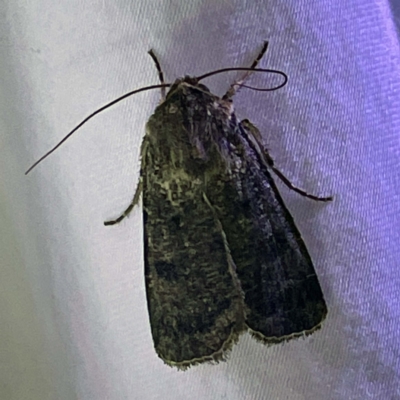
(236, 85)
(254, 133)
(290, 185)
(160, 73)
(130, 207)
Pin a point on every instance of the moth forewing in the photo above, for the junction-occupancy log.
(222, 253)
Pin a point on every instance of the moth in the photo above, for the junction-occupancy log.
(222, 254)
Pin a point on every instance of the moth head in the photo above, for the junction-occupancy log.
(187, 81)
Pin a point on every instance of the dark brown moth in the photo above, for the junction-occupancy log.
(222, 253)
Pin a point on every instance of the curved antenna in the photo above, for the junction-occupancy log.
(259, 89)
(163, 86)
(91, 116)
(273, 71)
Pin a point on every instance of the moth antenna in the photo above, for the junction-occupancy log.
(272, 71)
(257, 89)
(164, 85)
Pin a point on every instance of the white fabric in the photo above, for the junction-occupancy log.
(73, 313)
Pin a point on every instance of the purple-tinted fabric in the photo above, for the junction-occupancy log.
(73, 312)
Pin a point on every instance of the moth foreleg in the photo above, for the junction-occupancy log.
(130, 207)
(236, 85)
